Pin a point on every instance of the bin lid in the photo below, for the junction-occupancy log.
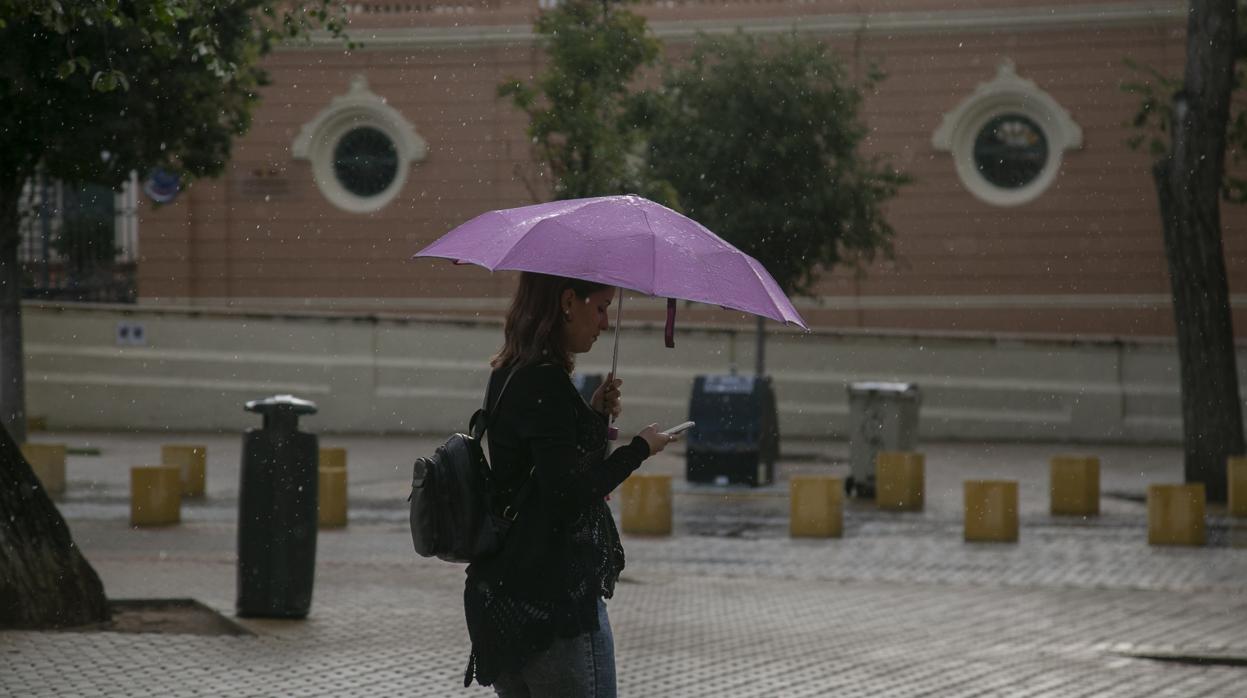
(282, 403)
(730, 384)
(866, 387)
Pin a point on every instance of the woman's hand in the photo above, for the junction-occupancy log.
(606, 399)
(657, 440)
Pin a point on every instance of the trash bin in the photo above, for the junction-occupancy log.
(736, 439)
(277, 518)
(882, 417)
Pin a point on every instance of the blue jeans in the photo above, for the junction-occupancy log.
(572, 667)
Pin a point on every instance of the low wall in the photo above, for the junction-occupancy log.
(127, 367)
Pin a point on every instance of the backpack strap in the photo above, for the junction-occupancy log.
(480, 421)
(505, 383)
(482, 418)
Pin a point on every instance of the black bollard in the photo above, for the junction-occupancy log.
(277, 512)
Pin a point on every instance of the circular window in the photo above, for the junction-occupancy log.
(361, 150)
(1010, 151)
(1007, 139)
(365, 161)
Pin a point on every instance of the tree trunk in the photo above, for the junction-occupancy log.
(12, 370)
(1188, 185)
(45, 582)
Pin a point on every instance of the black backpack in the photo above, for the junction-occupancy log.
(456, 512)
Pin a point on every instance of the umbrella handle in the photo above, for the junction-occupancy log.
(668, 334)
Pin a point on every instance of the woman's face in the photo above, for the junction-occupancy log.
(585, 318)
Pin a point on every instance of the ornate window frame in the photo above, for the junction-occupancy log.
(1006, 93)
(319, 137)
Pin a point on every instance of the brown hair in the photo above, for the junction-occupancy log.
(531, 334)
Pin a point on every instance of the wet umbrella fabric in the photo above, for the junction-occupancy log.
(626, 241)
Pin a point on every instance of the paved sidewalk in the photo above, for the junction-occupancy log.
(728, 606)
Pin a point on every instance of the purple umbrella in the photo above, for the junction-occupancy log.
(626, 241)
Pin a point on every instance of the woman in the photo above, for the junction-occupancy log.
(535, 611)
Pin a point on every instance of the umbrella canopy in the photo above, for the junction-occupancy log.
(626, 241)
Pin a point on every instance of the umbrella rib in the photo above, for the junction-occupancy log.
(753, 266)
(653, 251)
(762, 283)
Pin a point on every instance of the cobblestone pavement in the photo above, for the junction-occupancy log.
(728, 606)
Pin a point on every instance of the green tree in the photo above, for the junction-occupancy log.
(91, 90)
(581, 108)
(1188, 126)
(761, 142)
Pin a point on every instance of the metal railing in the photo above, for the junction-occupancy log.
(78, 242)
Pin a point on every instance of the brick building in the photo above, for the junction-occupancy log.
(356, 160)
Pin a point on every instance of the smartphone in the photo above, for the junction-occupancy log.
(679, 428)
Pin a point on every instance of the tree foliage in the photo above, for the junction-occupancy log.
(759, 142)
(96, 88)
(90, 91)
(582, 108)
(1152, 120)
(762, 143)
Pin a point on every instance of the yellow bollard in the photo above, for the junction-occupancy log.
(333, 457)
(1175, 514)
(991, 511)
(48, 462)
(192, 463)
(1074, 488)
(645, 505)
(331, 497)
(155, 495)
(1236, 476)
(899, 477)
(816, 506)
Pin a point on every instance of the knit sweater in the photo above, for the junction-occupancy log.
(563, 551)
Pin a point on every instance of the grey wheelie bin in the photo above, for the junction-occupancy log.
(882, 417)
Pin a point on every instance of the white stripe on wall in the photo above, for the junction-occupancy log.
(908, 302)
(883, 23)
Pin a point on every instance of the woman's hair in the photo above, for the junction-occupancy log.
(532, 332)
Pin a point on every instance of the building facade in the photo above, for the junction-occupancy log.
(1027, 213)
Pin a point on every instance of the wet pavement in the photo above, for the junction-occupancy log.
(728, 605)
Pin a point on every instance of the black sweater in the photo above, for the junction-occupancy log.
(563, 550)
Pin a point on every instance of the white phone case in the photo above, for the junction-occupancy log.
(679, 429)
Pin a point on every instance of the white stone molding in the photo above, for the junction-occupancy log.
(359, 107)
(1006, 94)
(824, 18)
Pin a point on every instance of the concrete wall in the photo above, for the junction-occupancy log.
(193, 370)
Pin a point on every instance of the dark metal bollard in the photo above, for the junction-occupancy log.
(277, 512)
